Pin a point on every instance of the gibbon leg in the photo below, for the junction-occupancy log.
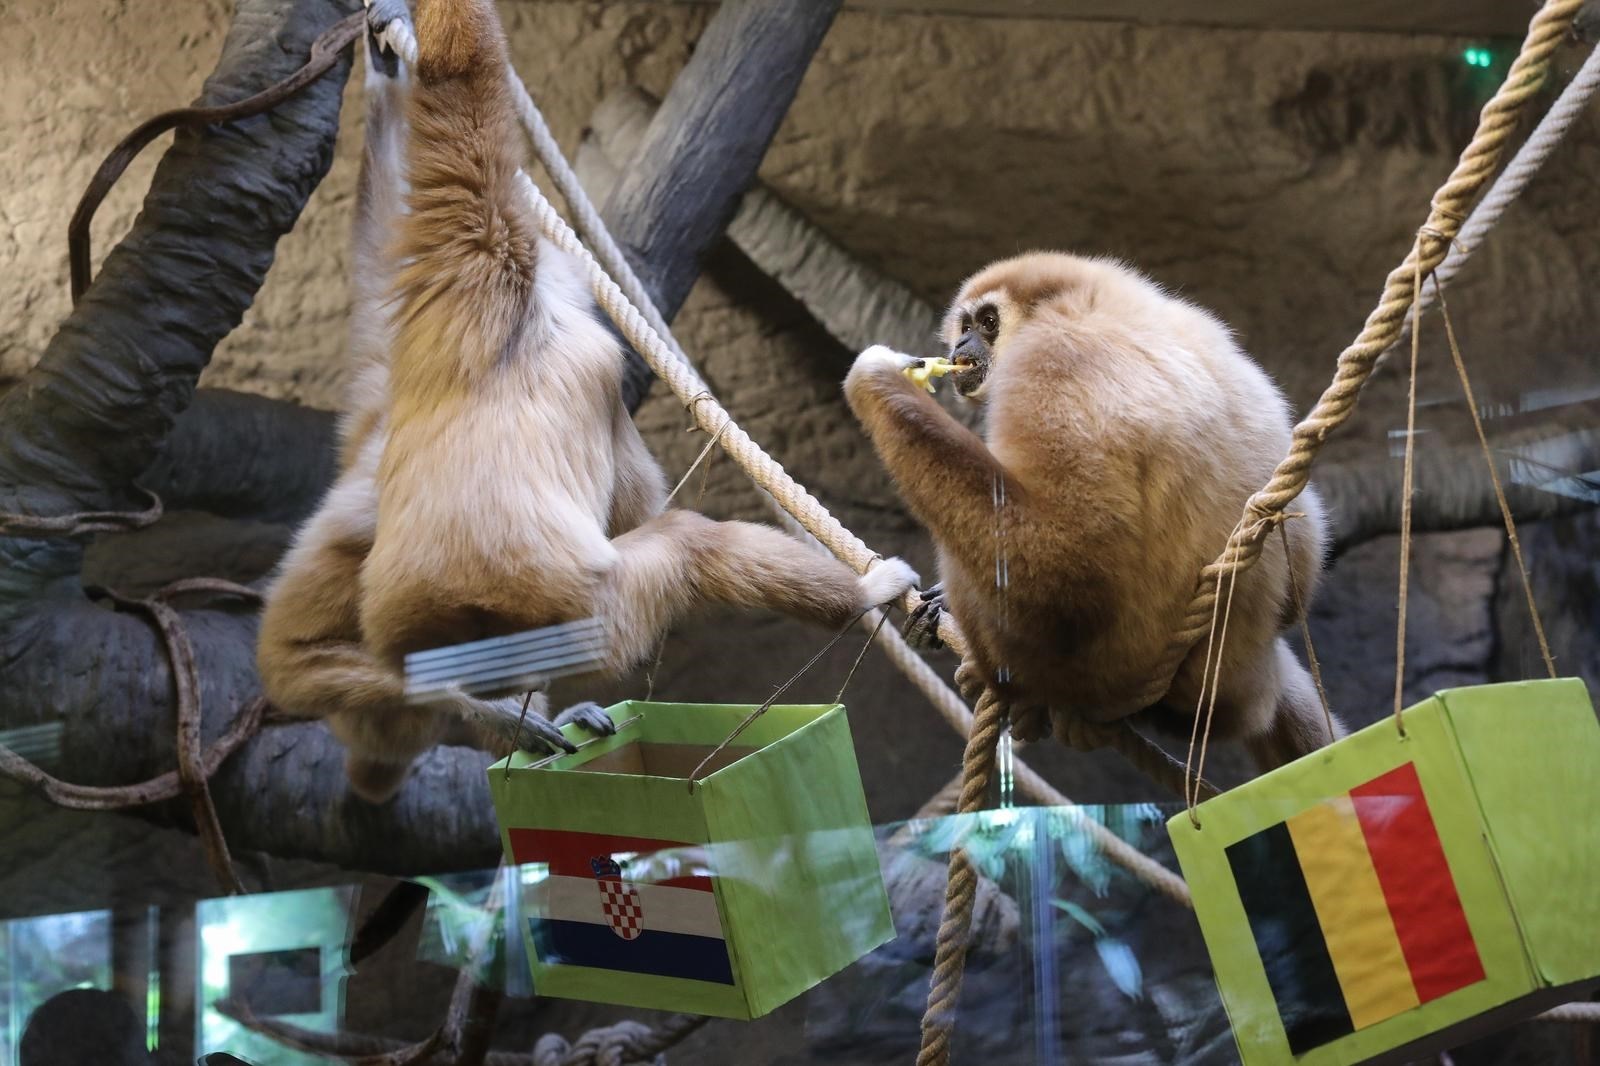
(640, 490)
(1298, 726)
(680, 558)
(313, 665)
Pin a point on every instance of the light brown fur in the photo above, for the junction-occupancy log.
(310, 652)
(514, 490)
(1125, 429)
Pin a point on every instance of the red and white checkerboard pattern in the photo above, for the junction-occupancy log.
(619, 900)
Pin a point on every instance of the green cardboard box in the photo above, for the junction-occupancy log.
(728, 899)
(1394, 895)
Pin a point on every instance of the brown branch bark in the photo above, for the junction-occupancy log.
(108, 401)
(703, 148)
(92, 414)
(243, 456)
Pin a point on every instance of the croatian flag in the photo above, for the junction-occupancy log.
(590, 912)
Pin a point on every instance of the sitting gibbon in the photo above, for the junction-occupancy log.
(1124, 429)
(512, 488)
(310, 654)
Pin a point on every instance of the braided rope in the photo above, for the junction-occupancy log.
(961, 890)
(616, 1045)
(1382, 329)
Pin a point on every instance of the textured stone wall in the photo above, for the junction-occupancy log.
(1275, 177)
(1272, 176)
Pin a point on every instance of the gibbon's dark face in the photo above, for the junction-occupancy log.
(976, 330)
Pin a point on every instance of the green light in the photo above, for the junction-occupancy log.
(1477, 57)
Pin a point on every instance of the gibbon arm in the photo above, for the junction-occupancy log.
(946, 474)
(380, 196)
(469, 244)
(680, 560)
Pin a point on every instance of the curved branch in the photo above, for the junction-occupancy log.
(94, 411)
(1547, 470)
(857, 304)
(704, 147)
(103, 675)
(243, 456)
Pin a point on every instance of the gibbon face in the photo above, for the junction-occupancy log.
(996, 303)
(972, 330)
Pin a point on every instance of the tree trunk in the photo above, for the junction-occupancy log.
(107, 405)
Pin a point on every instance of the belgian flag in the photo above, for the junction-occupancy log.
(1354, 911)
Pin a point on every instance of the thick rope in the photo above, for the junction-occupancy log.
(616, 1045)
(961, 890)
(1550, 131)
(1382, 329)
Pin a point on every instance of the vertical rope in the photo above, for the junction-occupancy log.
(1301, 609)
(961, 890)
(1405, 513)
(1499, 491)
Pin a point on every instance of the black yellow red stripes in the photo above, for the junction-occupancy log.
(1354, 911)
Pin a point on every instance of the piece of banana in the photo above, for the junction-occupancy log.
(924, 372)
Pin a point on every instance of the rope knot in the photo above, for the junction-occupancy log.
(613, 1045)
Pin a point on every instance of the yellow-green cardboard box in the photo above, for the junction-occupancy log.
(728, 899)
(1398, 893)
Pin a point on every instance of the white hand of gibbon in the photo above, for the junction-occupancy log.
(881, 356)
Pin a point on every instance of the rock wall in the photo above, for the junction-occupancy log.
(1273, 176)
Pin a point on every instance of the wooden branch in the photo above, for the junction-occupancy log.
(239, 455)
(94, 410)
(703, 149)
(1548, 461)
(858, 305)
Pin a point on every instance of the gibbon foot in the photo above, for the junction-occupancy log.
(590, 715)
(531, 731)
(922, 626)
(383, 17)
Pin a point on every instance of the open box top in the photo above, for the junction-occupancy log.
(660, 740)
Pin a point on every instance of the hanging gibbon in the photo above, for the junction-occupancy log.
(1124, 429)
(512, 488)
(310, 654)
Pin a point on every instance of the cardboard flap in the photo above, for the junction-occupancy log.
(1532, 752)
